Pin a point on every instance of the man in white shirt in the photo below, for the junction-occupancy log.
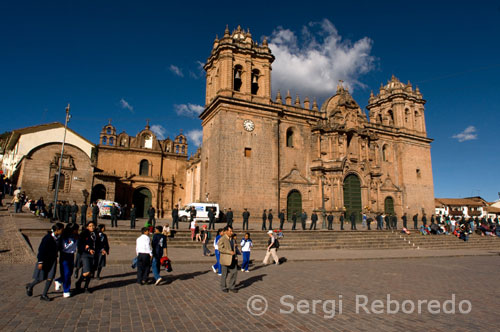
(144, 254)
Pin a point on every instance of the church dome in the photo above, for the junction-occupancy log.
(341, 100)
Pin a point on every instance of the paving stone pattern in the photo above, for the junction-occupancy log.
(190, 299)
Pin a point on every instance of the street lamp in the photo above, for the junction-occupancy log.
(61, 158)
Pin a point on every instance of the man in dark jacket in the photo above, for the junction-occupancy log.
(415, 221)
(264, 218)
(270, 218)
(95, 213)
(159, 250)
(405, 220)
(175, 217)
(83, 211)
(303, 219)
(67, 211)
(353, 221)
(294, 220)
(387, 220)
(281, 217)
(314, 219)
(45, 268)
(74, 212)
(246, 216)
(58, 211)
(132, 216)
(229, 218)
(424, 220)
(114, 215)
(329, 218)
(394, 221)
(211, 218)
(342, 217)
(151, 215)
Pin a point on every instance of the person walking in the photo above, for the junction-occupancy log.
(88, 243)
(175, 217)
(132, 216)
(205, 237)
(229, 218)
(329, 218)
(264, 219)
(246, 246)
(228, 261)
(246, 216)
(45, 268)
(270, 219)
(144, 253)
(217, 267)
(95, 213)
(151, 216)
(159, 250)
(303, 218)
(281, 217)
(272, 246)
(211, 218)
(68, 248)
(114, 215)
(314, 220)
(294, 220)
(102, 250)
(83, 215)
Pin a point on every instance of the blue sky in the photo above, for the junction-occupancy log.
(131, 61)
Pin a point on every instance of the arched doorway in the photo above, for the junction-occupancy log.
(352, 196)
(389, 205)
(142, 201)
(294, 204)
(98, 192)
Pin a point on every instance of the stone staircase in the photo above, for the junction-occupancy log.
(316, 240)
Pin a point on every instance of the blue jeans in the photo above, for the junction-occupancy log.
(217, 265)
(156, 268)
(66, 270)
(246, 260)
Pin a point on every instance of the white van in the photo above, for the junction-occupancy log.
(201, 211)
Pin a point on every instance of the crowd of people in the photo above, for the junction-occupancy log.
(71, 251)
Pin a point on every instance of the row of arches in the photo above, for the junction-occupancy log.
(238, 79)
(412, 119)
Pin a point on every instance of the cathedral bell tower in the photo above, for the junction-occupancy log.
(239, 67)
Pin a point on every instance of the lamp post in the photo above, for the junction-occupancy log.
(61, 158)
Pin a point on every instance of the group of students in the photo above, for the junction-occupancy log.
(246, 246)
(86, 250)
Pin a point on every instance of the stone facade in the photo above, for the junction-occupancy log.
(141, 169)
(261, 153)
(38, 173)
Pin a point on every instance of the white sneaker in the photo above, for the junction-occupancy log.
(247, 271)
(57, 285)
(213, 269)
(66, 294)
(219, 274)
(242, 270)
(158, 281)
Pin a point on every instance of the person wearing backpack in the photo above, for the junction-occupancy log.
(272, 246)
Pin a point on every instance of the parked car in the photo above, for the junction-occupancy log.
(201, 211)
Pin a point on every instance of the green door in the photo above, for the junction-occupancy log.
(389, 205)
(142, 201)
(352, 196)
(294, 204)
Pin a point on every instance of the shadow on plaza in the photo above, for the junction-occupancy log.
(185, 276)
(250, 281)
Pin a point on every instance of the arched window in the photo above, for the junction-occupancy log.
(255, 81)
(407, 115)
(379, 118)
(62, 181)
(104, 141)
(183, 149)
(289, 138)
(176, 149)
(111, 141)
(391, 117)
(237, 78)
(108, 131)
(385, 153)
(144, 168)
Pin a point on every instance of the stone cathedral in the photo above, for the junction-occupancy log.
(272, 152)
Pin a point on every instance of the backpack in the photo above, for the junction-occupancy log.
(276, 244)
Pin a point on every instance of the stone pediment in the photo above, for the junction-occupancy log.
(295, 177)
(388, 185)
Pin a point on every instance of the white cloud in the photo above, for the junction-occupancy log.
(199, 72)
(195, 136)
(159, 131)
(189, 110)
(125, 105)
(314, 66)
(176, 70)
(468, 134)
